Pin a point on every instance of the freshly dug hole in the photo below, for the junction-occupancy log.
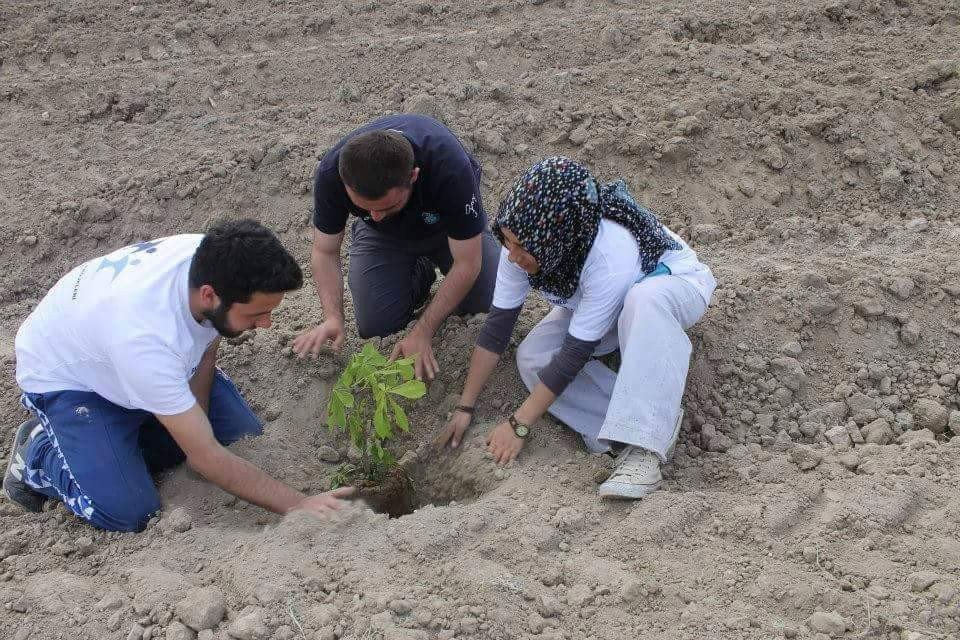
(430, 478)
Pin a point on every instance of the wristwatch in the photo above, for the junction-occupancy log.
(519, 429)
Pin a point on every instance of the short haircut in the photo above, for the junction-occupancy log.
(243, 257)
(373, 162)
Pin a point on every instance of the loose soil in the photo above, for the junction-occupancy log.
(807, 149)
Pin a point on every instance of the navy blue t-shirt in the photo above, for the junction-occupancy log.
(445, 197)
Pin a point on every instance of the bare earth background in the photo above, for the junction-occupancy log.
(808, 150)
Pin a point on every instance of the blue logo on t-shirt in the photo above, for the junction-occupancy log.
(121, 264)
(430, 218)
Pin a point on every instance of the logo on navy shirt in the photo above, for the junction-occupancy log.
(429, 217)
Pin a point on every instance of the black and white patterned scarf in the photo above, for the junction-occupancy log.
(555, 209)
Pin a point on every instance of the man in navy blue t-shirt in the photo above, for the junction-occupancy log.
(415, 193)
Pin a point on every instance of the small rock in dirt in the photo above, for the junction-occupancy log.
(631, 591)
(850, 460)
(549, 606)
(891, 183)
(954, 421)
(267, 593)
(580, 595)
(922, 580)
(910, 333)
(84, 545)
(202, 608)
(878, 432)
(930, 414)
(177, 521)
(96, 210)
(839, 437)
(805, 457)
(179, 631)
(868, 308)
(535, 623)
(328, 454)
(831, 623)
(400, 607)
(788, 371)
(791, 349)
(855, 155)
(901, 287)
(951, 115)
(249, 626)
(135, 633)
(773, 157)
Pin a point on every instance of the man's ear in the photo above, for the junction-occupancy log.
(414, 174)
(209, 297)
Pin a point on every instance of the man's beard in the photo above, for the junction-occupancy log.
(218, 318)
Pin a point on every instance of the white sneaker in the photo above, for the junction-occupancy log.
(637, 474)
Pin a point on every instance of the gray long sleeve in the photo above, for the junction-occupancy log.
(567, 363)
(497, 329)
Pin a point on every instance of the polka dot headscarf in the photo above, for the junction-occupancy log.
(555, 209)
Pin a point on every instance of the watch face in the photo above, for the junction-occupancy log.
(521, 430)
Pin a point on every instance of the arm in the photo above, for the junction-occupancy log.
(202, 380)
(467, 260)
(491, 343)
(192, 432)
(327, 274)
(328, 277)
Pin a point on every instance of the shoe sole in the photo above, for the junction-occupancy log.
(611, 495)
(11, 490)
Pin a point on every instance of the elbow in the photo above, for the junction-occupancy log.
(206, 460)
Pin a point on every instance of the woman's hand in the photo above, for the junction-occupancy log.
(453, 432)
(504, 444)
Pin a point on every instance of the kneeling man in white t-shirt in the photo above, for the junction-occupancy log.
(118, 364)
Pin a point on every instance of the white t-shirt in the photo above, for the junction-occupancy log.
(119, 326)
(612, 266)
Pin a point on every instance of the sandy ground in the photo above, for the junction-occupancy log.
(808, 150)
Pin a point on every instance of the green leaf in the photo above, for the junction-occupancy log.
(335, 412)
(411, 389)
(344, 397)
(399, 415)
(382, 423)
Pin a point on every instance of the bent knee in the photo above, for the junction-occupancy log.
(124, 515)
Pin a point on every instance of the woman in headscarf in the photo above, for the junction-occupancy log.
(617, 278)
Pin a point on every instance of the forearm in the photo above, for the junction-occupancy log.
(202, 381)
(455, 286)
(328, 277)
(535, 405)
(482, 364)
(244, 480)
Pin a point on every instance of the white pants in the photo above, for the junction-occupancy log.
(639, 406)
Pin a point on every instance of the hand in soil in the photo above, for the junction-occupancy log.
(504, 444)
(453, 433)
(312, 341)
(418, 345)
(324, 505)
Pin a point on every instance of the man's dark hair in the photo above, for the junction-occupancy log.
(243, 257)
(374, 162)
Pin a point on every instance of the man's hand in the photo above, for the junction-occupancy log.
(419, 345)
(504, 444)
(324, 505)
(312, 341)
(453, 432)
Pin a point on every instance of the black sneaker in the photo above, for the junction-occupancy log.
(14, 487)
